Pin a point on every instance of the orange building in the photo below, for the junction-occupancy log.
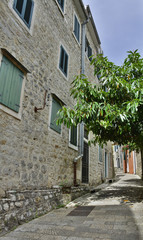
(129, 162)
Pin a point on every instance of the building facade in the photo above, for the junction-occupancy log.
(40, 53)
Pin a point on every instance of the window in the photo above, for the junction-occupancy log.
(11, 79)
(24, 9)
(76, 28)
(63, 65)
(88, 49)
(61, 4)
(56, 106)
(100, 153)
(73, 135)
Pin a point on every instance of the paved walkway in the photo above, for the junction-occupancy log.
(115, 212)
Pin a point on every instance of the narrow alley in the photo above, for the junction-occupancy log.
(113, 211)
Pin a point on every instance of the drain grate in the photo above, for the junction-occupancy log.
(81, 211)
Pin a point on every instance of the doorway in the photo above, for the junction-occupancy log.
(106, 165)
(85, 159)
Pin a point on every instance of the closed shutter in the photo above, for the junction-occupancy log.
(73, 137)
(10, 85)
(4, 83)
(15, 92)
(55, 108)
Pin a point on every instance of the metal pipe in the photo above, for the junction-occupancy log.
(74, 169)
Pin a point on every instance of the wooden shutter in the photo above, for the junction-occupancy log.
(73, 137)
(15, 93)
(55, 108)
(11, 79)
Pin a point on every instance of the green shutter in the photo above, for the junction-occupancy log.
(15, 93)
(3, 79)
(55, 108)
(73, 137)
(10, 85)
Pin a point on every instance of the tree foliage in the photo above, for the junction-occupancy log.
(112, 109)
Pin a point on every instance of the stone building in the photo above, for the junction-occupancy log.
(40, 53)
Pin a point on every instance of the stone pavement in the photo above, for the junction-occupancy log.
(114, 212)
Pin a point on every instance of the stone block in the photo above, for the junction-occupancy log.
(2, 193)
(12, 197)
(19, 204)
(6, 207)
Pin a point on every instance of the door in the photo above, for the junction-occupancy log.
(85, 163)
(106, 165)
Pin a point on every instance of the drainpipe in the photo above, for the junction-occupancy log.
(81, 141)
(75, 163)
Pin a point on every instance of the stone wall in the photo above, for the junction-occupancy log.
(32, 155)
(17, 207)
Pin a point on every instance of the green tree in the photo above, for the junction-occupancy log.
(112, 109)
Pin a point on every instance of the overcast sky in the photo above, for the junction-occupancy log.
(120, 26)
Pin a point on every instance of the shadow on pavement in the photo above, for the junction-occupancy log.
(133, 194)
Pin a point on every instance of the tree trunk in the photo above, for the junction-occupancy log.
(142, 164)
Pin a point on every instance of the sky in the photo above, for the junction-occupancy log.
(120, 26)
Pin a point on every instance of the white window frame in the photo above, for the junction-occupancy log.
(74, 14)
(101, 162)
(65, 77)
(70, 144)
(29, 30)
(62, 11)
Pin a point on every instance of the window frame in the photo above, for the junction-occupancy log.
(22, 14)
(87, 49)
(54, 98)
(100, 154)
(63, 63)
(75, 147)
(74, 32)
(17, 64)
(59, 5)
